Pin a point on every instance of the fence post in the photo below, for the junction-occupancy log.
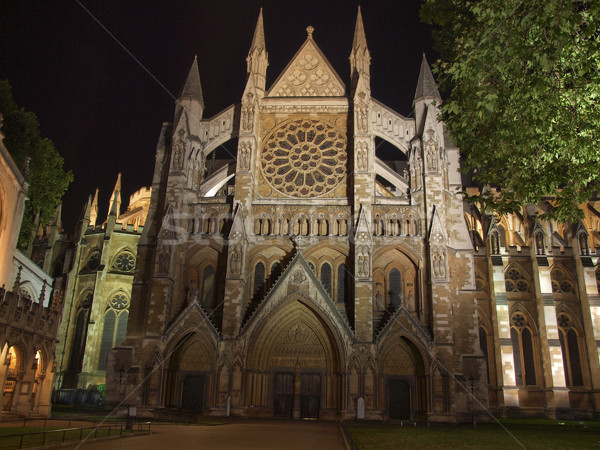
(44, 438)
(21, 442)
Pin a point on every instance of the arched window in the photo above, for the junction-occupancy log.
(326, 277)
(208, 287)
(259, 279)
(570, 351)
(522, 343)
(561, 282)
(13, 366)
(80, 335)
(115, 326)
(341, 283)
(110, 319)
(484, 350)
(515, 281)
(502, 235)
(395, 288)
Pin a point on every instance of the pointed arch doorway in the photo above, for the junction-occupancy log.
(295, 356)
(405, 380)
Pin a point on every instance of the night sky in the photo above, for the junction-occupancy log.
(104, 111)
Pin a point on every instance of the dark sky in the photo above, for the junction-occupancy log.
(103, 111)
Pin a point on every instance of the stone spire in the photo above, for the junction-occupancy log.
(191, 99)
(114, 206)
(258, 58)
(192, 88)
(426, 88)
(360, 58)
(94, 210)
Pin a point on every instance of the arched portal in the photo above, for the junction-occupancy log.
(13, 365)
(189, 374)
(294, 365)
(404, 380)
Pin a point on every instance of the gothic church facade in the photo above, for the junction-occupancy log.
(311, 279)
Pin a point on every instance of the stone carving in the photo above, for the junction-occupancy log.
(304, 158)
(416, 169)
(248, 113)
(439, 262)
(364, 261)
(245, 155)
(308, 75)
(362, 161)
(362, 116)
(235, 265)
(164, 259)
(179, 152)
(298, 277)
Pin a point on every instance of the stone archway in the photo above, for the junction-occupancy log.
(404, 380)
(293, 367)
(13, 364)
(189, 373)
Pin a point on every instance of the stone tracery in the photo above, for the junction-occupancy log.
(304, 158)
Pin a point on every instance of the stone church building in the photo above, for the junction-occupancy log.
(310, 278)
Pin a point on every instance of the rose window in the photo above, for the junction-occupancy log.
(304, 158)
(125, 262)
(518, 320)
(564, 321)
(119, 302)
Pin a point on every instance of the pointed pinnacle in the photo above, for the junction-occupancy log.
(360, 39)
(193, 88)
(258, 40)
(426, 87)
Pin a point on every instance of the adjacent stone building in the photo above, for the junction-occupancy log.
(312, 278)
(100, 263)
(28, 323)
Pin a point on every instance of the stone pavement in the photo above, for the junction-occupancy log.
(236, 434)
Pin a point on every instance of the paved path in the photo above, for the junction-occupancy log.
(239, 434)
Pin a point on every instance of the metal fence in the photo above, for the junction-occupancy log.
(33, 439)
(348, 437)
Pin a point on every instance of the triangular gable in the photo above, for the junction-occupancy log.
(308, 74)
(168, 229)
(291, 282)
(186, 318)
(437, 232)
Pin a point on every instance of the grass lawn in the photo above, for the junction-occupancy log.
(492, 436)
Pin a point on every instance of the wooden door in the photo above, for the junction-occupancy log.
(310, 395)
(399, 400)
(193, 393)
(283, 399)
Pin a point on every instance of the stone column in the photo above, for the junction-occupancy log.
(590, 309)
(555, 387)
(508, 395)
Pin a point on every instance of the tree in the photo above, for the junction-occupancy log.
(47, 179)
(524, 105)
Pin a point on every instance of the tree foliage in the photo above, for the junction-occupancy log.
(47, 179)
(524, 109)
